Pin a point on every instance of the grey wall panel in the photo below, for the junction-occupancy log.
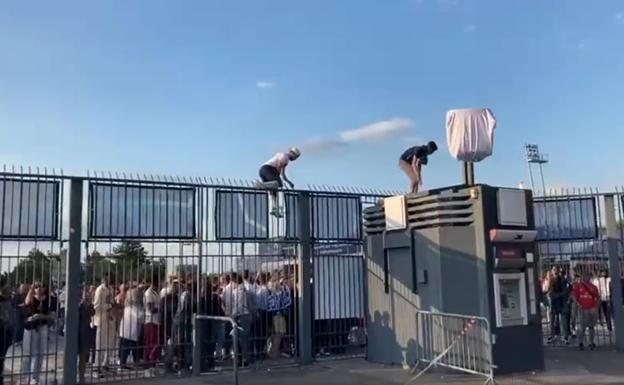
(461, 268)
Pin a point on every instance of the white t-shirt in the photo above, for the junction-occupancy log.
(151, 297)
(228, 300)
(604, 287)
(129, 327)
(279, 160)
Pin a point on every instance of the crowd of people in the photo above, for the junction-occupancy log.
(148, 325)
(576, 302)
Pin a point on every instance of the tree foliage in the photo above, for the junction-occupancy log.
(37, 266)
(129, 262)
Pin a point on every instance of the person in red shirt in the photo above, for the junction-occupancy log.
(587, 298)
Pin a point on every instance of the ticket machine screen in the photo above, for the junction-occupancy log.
(510, 299)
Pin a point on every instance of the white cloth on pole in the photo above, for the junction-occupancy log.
(470, 133)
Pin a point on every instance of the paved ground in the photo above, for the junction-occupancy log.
(565, 366)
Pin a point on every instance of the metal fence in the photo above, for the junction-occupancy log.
(457, 342)
(102, 276)
(573, 237)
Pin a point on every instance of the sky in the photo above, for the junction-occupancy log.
(215, 87)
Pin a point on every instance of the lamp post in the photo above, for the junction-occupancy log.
(534, 157)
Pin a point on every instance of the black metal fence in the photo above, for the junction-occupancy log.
(572, 230)
(102, 276)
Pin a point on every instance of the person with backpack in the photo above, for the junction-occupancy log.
(7, 326)
(587, 298)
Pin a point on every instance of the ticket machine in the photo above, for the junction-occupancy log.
(516, 317)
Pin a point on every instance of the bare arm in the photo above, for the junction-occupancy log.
(285, 178)
(416, 168)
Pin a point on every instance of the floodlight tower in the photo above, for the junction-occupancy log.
(534, 157)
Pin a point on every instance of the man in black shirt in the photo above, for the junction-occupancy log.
(412, 160)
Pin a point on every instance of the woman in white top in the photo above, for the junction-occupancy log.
(274, 170)
(130, 328)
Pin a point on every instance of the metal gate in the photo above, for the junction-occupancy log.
(128, 262)
(32, 259)
(574, 230)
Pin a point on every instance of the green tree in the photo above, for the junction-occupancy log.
(128, 262)
(37, 266)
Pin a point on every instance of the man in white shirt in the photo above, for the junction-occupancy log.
(274, 170)
(263, 319)
(151, 332)
(105, 336)
(242, 313)
(603, 283)
(227, 298)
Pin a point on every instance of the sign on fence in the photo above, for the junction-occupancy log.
(141, 212)
(29, 209)
(565, 218)
(241, 215)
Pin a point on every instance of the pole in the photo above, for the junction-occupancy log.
(305, 275)
(531, 177)
(541, 170)
(614, 272)
(72, 293)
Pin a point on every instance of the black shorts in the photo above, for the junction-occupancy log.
(269, 174)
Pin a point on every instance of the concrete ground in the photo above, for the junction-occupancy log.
(565, 366)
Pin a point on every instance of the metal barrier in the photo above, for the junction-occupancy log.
(457, 342)
(197, 343)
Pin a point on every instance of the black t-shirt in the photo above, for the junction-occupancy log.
(37, 307)
(420, 152)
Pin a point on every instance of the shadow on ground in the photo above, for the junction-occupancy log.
(564, 366)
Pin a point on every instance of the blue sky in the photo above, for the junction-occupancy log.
(213, 88)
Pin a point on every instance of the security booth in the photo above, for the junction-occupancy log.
(459, 250)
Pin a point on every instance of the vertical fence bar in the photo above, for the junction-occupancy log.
(614, 271)
(305, 288)
(72, 270)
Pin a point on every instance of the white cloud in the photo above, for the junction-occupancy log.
(316, 145)
(264, 84)
(377, 130)
(619, 18)
(373, 132)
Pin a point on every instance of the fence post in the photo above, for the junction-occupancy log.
(304, 252)
(72, 288)
(614, 272)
